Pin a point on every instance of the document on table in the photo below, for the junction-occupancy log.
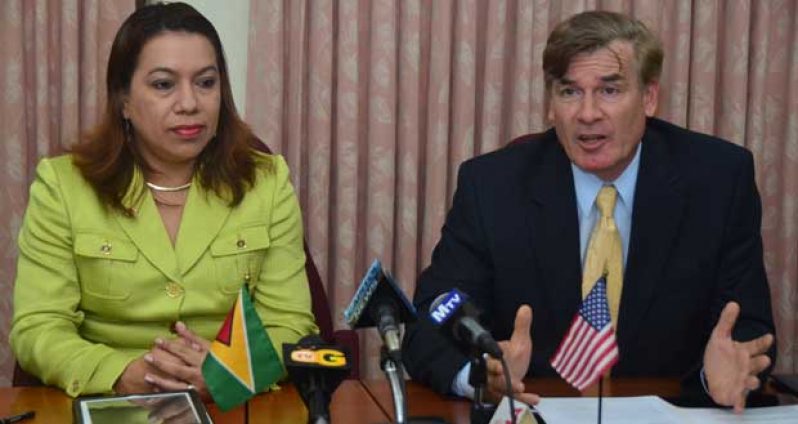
(622, 410)
(765, 415)
(615, 410)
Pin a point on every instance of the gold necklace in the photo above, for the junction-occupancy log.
(168, 189)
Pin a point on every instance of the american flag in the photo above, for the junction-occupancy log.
(589, 348)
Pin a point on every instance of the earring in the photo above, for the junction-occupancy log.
(128, 128)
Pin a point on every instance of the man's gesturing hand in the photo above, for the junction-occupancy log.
(517, 353)
(731, 367)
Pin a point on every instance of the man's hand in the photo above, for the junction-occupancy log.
(731, 367)
(517, 352)
(179, 362)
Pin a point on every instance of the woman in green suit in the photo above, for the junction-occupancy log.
(134, 246)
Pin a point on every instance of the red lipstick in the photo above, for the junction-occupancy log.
(188, 131)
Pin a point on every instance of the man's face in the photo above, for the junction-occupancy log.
(599, 109)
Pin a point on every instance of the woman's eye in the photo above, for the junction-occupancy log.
(207, 82)
(162, 85)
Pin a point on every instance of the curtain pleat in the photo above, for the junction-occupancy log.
(53, 56)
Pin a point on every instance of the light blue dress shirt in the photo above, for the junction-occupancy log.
(587, 186)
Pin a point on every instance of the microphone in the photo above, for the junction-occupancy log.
(456, 318)
(380, 302)
(316, 369)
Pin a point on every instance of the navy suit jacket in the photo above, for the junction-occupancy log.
(511, 238)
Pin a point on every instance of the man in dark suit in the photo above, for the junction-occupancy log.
(694, 301)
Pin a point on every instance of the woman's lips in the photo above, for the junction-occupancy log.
(188, 131)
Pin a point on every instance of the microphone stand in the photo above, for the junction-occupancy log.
(318, 409)
(393, 370)
(391, 364)
(481, 412)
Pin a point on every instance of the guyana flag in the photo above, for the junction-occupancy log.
(242, 361)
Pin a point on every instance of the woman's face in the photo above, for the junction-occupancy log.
(174, 97)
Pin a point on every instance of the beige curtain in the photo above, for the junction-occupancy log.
(376, 103)
(52, 84)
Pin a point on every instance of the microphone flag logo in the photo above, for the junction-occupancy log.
(589, 347)
(241, 361)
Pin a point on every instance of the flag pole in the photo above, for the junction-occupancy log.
(600, 397)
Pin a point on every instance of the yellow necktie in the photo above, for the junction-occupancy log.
(605, 254)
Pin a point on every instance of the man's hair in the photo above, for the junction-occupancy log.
(590, 31)
(107, 157)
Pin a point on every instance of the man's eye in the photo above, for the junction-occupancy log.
(568, 92)
(610, 91)
(162, 85)
(207, 82)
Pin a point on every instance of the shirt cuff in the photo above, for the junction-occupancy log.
(460, 385)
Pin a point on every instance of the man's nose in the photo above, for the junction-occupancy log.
(589, 109)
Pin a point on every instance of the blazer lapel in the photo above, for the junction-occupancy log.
(554, 224)
(657, 214)
(204, 216)
(147, 232)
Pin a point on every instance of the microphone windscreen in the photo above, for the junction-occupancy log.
(377, 287)
(457, 319)
(316, 369)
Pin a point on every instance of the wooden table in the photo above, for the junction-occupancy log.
(351, 403)
(422, 401)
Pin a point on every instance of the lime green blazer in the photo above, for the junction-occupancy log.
(95, 288)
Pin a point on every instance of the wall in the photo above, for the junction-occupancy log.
(231, 19)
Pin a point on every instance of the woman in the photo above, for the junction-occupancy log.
(152, 225)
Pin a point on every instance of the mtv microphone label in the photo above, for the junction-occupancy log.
(523, 414)
(445, 307)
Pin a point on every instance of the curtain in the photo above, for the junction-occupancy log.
(52, 84)
(376, 103)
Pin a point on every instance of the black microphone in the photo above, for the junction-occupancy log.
(316, 368)
(456, 318)
(380, 302)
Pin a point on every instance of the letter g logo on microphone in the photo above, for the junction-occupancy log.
(322, 357)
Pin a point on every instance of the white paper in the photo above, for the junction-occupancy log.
(654, 410)
(615, 410)
(768, 415)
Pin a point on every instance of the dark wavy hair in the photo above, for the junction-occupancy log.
(107, 161)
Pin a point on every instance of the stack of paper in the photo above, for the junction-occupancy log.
(654, 410)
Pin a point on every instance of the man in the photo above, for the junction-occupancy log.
(693, 300)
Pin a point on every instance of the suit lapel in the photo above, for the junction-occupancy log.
(204, 216)
(147, 232)
(658, 208)
(554, 224)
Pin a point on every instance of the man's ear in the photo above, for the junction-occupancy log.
(549, 109)
(651, 97)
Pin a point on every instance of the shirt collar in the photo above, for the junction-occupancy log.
(587, 185)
